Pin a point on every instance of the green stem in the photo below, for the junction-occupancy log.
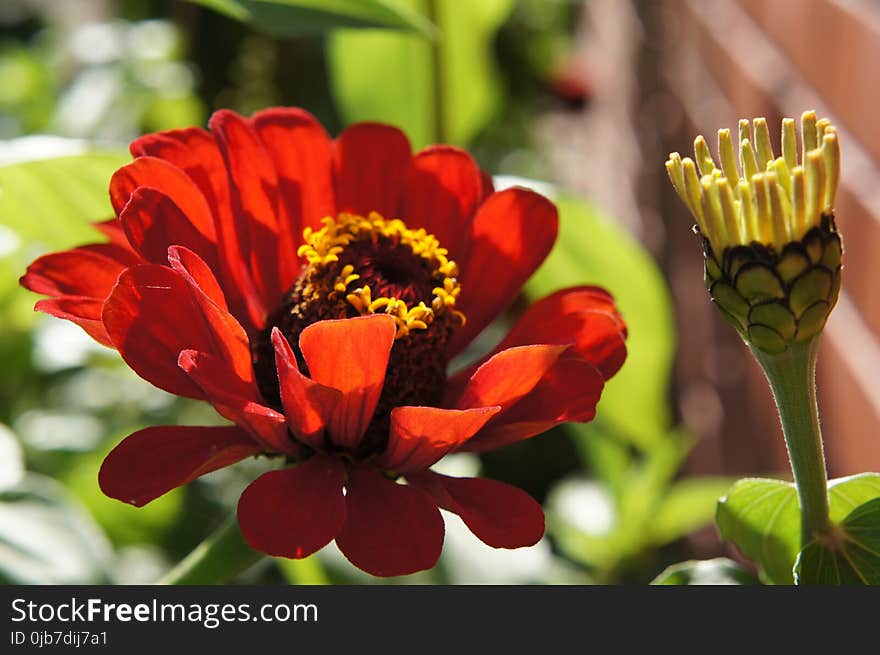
(218, 559)
(792, 378)
(433, 11)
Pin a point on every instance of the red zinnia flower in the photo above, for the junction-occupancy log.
(262, 267)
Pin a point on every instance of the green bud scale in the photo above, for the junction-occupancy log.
(774, 299)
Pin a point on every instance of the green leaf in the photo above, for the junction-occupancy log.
(719, 571)
(393, 77)
(123, 523)
(761, 517)
(850, 553)
(687, 506)
(46, 537)
(53, 201)
(47, 204)
(592, 249)
(283, 18)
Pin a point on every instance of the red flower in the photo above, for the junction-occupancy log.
(260, 267)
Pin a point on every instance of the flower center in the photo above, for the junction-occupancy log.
(355, 266)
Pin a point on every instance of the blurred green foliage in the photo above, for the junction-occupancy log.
(472, 73)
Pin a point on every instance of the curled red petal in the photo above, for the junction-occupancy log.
(511, 234)
(197, 273)
(350, 355)
(585, 317)
(391, 529)
(195, 151)
(174, 183)
(296, 511)
(569, 391)
(85, 271)
(506, 377)
(155, 460)
(420, 436)
(152, 222)
(154, 313)
(443, 188)
(308, 405)
(499, 514)
(237, 400)
(84, 312)
(371, 161)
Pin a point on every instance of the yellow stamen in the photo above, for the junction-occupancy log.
(323, 247)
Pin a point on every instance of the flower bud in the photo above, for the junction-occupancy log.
(772, 249)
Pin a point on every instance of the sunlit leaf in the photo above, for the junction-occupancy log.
(591, 249)
(719, 571)
(123, 523)
(850, 554)
(687, 506)
(761, 517)
(296, 17)
(46, 537)
(395, 78)
(53, 201)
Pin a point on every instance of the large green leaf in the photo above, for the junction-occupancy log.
(395, 78)
(47, 204)
(850, 554)
(52, 201)
(297, 17)
(719, 571)
(46, 538)
(761, 517)
(592, 249)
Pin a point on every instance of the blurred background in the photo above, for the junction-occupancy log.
(584, 101)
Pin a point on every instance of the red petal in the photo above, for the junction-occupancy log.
(513, 231)
(237, 400)
(303, 157)
(307, 404)
(155, 460)
(582, 316)
(82, 271)
(506, 377)
(350, 355)
(254, 194)
(296, 511)
(500, 515)
(154, 313)
(568, 392)
(443, 188)
(371, 164)
(85, 312)
(153, 222)
(112, 229)
(391, 529)
(197, 273)
(195, 151)
(422, 435)
(173, 182)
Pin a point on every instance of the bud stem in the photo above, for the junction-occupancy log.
(218, 559)
(792, 378)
